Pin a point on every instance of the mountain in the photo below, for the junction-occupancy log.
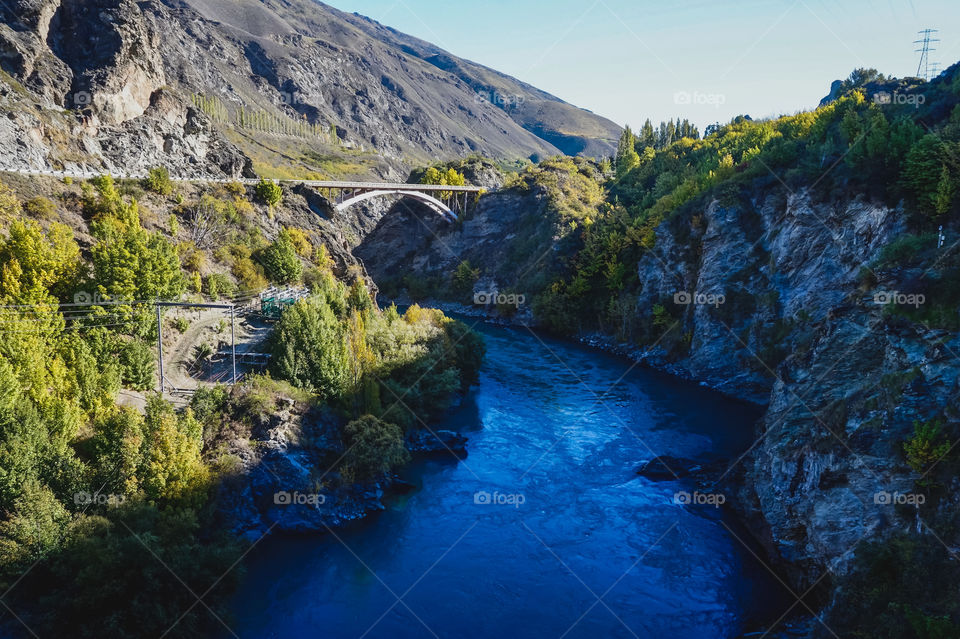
(283, 87)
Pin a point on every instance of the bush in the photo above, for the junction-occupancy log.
(218, 285)
(158, 181)
(464, 278)
(926, 447)
(281, 261)
(373, 447)
(269, 192)
(137, 365)
(300, 242)
(40, 208)
(309, 349)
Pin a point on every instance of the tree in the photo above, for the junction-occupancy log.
(359, 297)
(137, 365)
(373, 447)
(158, 181)
(944, 195)
(923, 171)
(309, 350)
(207, 220)
(627, 158)
(131, 263)
(464, 278)
(647, 136)
(172, 468)
(268, 192)
(280, 260)
(48, 262)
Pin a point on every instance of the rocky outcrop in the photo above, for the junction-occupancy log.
(285, 474)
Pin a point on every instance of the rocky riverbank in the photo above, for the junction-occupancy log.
(284, 478)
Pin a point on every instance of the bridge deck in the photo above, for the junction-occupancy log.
(387, 186)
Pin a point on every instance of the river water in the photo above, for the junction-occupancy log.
(544, 530)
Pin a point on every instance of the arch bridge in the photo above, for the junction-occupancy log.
(448, 201)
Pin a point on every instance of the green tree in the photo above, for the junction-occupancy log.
(464, 277)
(627, 158)
(268, 192)
(281, 261)
(132, 263)
(172, 468)
(137, 365)
(923, 171)
(373, 447)
(943, 199)
(309, 349)
(158, 181)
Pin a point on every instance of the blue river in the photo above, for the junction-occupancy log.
(544, 529)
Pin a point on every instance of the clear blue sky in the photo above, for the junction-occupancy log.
(707, 60)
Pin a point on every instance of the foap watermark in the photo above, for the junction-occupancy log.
(895, 498)
(485, 298)
(296, 498)
(291, 99)
(895, 97)
(886, 298)
(686, 298)
(98, 499)
(496, 498)
(82, 99)
(702, 99)
(499, 99)
(697, 498)
(83, 298)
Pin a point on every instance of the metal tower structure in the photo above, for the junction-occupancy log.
(926, 40)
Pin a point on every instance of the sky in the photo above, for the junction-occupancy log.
(705, 60)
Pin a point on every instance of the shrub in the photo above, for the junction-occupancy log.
(158, 181)
(218, 285)
(237, 189)
(373, 447)
(922, 449)
(281, 261)
(464, 278)
(40, 208)
(901, 588)
(269, 192)
(300, 242)
(137, 365)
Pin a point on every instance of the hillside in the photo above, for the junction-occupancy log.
(288, 88)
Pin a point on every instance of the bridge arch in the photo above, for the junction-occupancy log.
(430, 201)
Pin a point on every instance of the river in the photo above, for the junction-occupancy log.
(544, 530)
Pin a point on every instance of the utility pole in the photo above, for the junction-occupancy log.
(233, 340)
(160, 346)
(926, 39)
